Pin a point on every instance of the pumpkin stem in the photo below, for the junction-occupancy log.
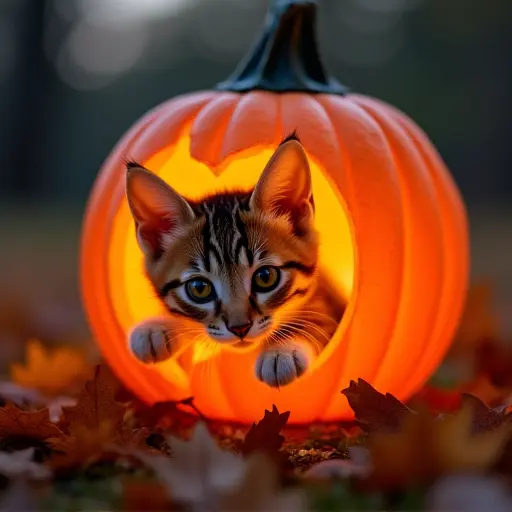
(285, 57)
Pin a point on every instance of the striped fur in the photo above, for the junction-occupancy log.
(227, 238)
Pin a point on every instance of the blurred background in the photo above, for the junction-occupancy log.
(75, 74)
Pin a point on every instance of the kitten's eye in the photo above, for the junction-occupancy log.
(200, 290)
(265, 279)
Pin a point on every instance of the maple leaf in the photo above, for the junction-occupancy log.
(259, 490)
(198, 470)
(52, 372)
(15, 423)
(204, 477)
(87, 446)
(265, 436)
(96, 403)
(21, 464)
(166, 414)
(373, 410)
(426, 447)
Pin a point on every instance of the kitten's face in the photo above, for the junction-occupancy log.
(238, 263)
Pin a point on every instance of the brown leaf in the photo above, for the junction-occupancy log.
(87, 446)
(265, 436)
(199, 470)
(164, 414)
(52, 372)
(426, 447)
(483, 417)
(29, 424)
(96, 403)
(373, 410)
(259, 490)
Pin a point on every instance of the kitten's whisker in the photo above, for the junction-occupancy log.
(307, 335)
(302, 325)
(295, 314)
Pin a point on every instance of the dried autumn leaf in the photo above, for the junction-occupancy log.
(199, 470)
(426, 447)
(15, 423)
(165, 414)
(259, 491)
(373, 410)
(50, 371)
(21, 464)
(483, 417)
(96, 403)
(265, 436)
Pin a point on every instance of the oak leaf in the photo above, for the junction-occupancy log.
(50, 371)
(373, 410)
(15, 423)
(265, 436)
(96, 403)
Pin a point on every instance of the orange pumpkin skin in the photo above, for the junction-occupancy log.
(410, 243)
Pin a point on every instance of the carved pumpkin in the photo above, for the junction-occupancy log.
(393, 228)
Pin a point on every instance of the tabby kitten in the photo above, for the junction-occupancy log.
(240, 265)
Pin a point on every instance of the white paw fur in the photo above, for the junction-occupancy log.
(281, 366)
(149, 342)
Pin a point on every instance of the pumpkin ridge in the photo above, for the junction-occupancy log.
(457, 270)
(416, 183)
(209, 126)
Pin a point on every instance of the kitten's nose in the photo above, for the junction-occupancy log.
(240, 330)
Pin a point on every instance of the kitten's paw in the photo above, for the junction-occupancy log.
(150, 342)
(281, 366)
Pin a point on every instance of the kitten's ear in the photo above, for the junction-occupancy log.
(284, 187)
(160, 213)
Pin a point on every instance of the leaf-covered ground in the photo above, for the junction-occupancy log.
(72, 438)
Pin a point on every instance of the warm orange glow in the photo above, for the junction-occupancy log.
(394, 237)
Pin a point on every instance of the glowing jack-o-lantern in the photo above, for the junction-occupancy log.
(392, 224)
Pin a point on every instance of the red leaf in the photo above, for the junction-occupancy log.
(373, 410)
(96, 403)
(265, 436)
(28, 424)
